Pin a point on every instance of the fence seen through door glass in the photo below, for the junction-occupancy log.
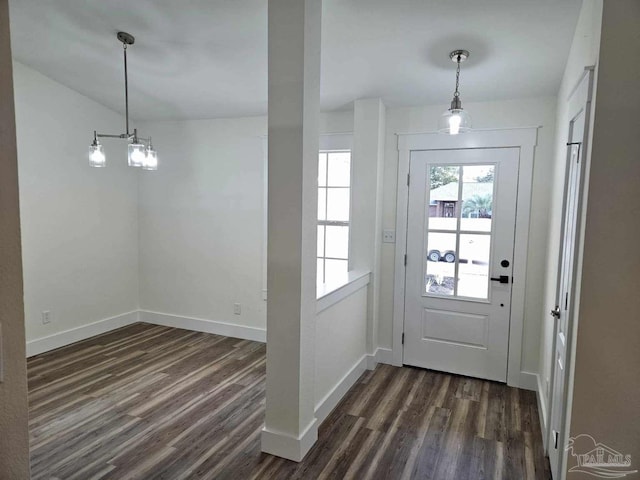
(459, 227)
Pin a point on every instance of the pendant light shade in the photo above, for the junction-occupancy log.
(150, 159)
(136, 154)
(455, 120)
(96, 153)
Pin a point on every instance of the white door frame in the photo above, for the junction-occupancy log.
(523, 138)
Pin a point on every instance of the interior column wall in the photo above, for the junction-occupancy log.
(14, 437)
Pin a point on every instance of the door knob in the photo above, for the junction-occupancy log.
(501, 279)
(555, 312)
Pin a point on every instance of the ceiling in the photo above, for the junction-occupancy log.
(208, 58)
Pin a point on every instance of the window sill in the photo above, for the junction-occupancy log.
(329, 294)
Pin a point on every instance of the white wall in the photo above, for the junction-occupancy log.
(202, 218)
(583, 53)
(340, 346)
(79, 224)
(525, 112)
(201, 221)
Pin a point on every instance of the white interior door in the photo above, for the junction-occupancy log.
(460, 239)
(562, 313)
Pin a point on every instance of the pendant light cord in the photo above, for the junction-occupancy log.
(126, 89)
(457, 93)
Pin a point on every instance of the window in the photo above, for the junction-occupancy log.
(334, 195)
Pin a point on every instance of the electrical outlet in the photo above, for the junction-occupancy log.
(46, 317)
(237, 310)
(389, 236)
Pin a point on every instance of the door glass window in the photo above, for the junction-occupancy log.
(441, 258)
(477, 198)
(473, 270)
(443, 197)
(458, 249)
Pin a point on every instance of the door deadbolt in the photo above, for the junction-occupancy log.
(555, 313)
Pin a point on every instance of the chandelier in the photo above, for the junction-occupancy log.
(140, 150)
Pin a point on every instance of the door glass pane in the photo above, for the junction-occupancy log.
(339, 165)
(477, 198)
(337, 245)
(441, 258)
(338, 204)
(335, 270)
(443, 197)
(473, 268)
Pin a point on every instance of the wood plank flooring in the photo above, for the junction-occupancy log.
(152, 402)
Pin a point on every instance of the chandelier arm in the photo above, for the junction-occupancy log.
(109, 135)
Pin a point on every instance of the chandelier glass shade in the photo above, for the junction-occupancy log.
(96, 154)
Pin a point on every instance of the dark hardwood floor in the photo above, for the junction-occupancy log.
(153, 402)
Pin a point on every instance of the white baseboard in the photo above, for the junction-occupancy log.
(381, 355)
(384, 355)
(528, 381)
(288, 446)
(326, 405)
(67, 337)
(206, 326)
(542, 411)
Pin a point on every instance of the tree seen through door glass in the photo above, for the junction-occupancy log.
(477, 198)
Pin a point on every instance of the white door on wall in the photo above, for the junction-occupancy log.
(460, 242)
(579, 105)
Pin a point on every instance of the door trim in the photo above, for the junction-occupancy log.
(523, 138)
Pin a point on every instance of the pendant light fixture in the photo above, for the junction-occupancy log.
(456, 120)
(140, 151)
